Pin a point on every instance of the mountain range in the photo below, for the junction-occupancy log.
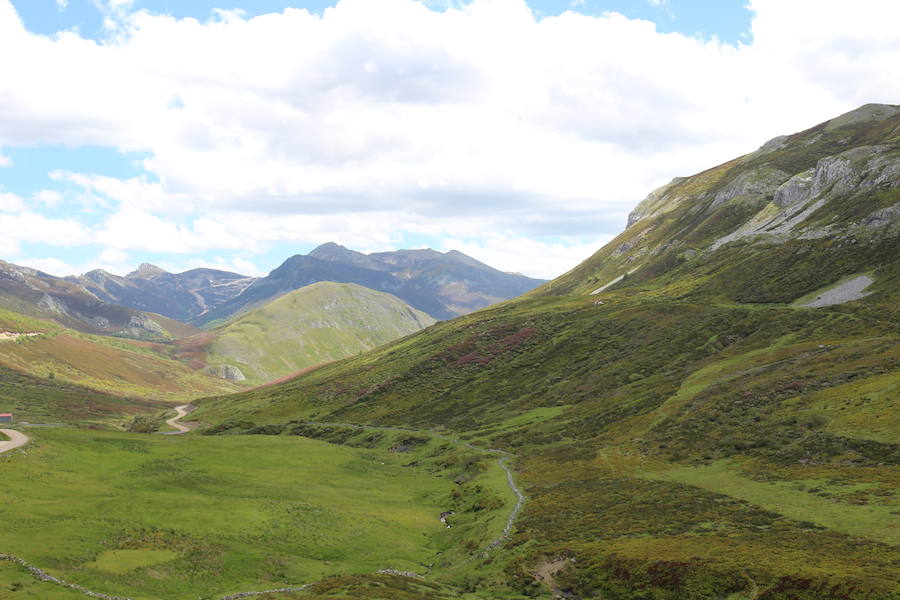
(443, 285)
(31, 292)
(705, 408)
(258, 329)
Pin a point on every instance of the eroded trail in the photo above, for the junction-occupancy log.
(180, 411)
(16, 439)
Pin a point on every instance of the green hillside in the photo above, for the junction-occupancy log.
(187, 517)
(127, 368)
(706, 408)
(318, 323)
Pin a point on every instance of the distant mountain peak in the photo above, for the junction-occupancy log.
(146, 271)
(864, 114)
(336, 253)
(326, 247)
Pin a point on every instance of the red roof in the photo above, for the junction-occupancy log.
(5, 414)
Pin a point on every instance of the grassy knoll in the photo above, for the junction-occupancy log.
(318, 323)
(198, 517)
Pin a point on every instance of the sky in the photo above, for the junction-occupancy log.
(234, 134)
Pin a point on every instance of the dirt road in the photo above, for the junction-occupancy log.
(16, 439)
(180, 411)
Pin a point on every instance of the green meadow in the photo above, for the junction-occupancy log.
(200, 517)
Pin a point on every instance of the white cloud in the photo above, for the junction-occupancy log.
(235, 265)
(51, 266)
(62, 4)
(380, 116)
(33, 227)
(517, 255)
(10, 202)
(5, 161)
(48, 198)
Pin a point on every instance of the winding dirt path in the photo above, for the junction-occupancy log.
(16, 439)
(180, 411)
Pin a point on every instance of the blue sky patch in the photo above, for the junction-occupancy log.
(728, 20)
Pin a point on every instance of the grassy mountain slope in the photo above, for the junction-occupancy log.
(318, 323)
(127, 368)
(769, 227)
(690, 430)
(41, 400)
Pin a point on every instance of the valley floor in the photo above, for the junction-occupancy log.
(185, 517)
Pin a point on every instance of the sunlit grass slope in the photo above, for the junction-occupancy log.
(318, 323)
(115, 365)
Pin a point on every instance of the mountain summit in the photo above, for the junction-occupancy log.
(146, 271)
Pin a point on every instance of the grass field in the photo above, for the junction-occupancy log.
(188, 517)
(814, 500)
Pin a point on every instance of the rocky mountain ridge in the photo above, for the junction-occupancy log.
(180, 296)
(34, 293)
(838, 182)
(444, 285)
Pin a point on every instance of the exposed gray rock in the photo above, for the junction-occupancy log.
(101, 322)
(854, 171)
(883, 217)
(847, 291)
(795, 190)
(144, 322)
(52, 305)
(751, 186)
(656, 202)
(776, 143)
(229, 372)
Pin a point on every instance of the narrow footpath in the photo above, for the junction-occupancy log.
(180, 411)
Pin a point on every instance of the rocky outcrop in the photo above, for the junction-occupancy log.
(856, 171)
(751, 186)
(229, 372)
(657, 201)
(141, 322)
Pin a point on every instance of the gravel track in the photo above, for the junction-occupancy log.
(16, 439)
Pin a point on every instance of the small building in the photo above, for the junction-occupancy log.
(5, 417)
